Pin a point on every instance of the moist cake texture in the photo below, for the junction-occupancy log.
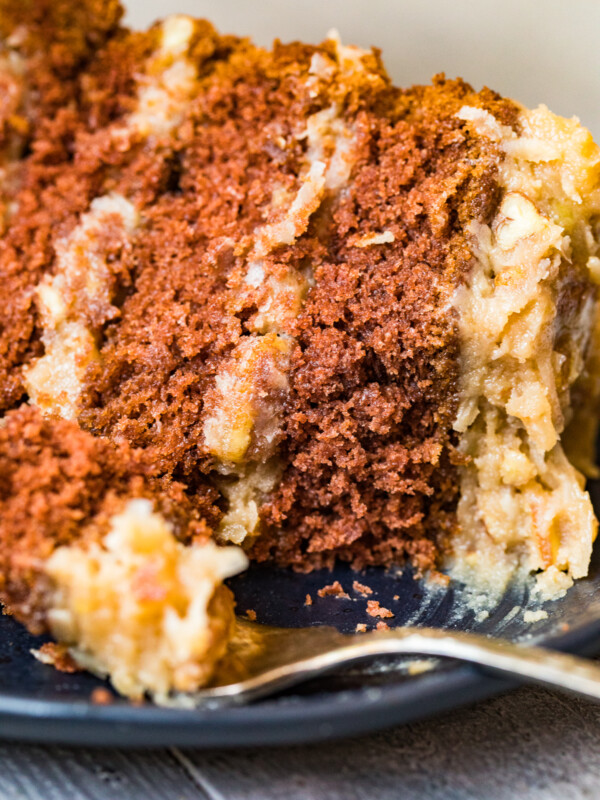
(267, 299)
(88, 554)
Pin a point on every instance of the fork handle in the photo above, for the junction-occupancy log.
(526, 663)
(332, 650)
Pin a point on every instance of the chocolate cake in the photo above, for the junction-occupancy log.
(266, 299)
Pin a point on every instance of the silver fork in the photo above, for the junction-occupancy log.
(264, 659)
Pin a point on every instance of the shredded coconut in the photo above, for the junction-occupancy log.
(522, 501)
(166, 85)
(81, 281)
(142, 608)
(370, 239)
(13, 91)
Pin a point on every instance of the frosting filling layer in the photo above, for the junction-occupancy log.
(527, 327)
(151, 613)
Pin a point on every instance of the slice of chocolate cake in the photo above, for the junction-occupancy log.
(269, 298)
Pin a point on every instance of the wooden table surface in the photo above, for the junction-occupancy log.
(531, 744)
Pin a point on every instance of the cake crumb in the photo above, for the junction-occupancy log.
(361, 588)
(439, 577)
(419, 665)
(382, 626)
(535, 616)
(56, 655)
(361, 628)
(308, 601)
(334, 589)
(396, 597)
(374, 609)
(101, 696)
(251, 614)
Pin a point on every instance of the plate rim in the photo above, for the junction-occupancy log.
(339, 714)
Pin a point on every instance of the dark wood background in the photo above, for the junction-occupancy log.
(531, 744)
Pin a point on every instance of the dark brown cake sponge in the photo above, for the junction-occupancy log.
(66, 32)
(369, 449)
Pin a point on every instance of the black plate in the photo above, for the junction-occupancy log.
(37, 703)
